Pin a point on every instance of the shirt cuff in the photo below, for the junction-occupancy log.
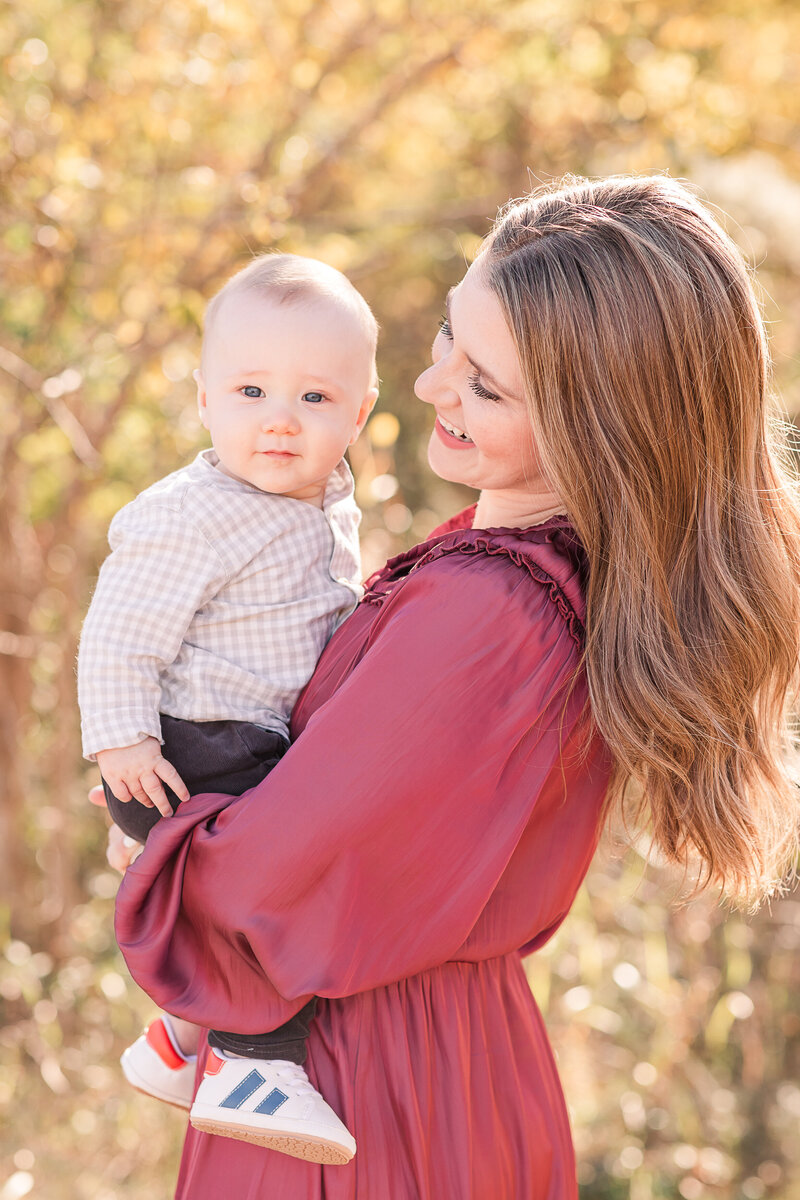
(110, 731)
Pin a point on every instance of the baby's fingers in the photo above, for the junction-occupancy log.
(120, 789)
(172, 779)
(151, 787)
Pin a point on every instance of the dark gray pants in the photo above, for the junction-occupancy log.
(229, 757)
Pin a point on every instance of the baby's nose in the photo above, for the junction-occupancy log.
(279, 418)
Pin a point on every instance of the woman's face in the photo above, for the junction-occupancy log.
(482, 436)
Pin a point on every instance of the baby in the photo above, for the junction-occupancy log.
(224, 583)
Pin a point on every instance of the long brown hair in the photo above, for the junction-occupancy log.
(647, 377)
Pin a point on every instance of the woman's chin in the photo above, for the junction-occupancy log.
(440, 462)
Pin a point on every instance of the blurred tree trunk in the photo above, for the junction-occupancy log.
(20, 576)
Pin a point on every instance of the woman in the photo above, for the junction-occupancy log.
(601, 380)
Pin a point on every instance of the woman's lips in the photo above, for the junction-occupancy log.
(450, 439)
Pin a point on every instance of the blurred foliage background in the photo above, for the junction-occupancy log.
(147, 148)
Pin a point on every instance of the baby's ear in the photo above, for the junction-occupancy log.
(366, 408)
(197, 376)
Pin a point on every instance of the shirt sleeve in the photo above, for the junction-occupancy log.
(371, 850)
(161, 571)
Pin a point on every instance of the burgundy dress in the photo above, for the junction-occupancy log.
(422, 830)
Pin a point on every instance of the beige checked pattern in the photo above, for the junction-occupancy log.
(215, 604)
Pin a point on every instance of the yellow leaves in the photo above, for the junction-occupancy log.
(589, 53)
(305, 73)
(18, 237)
(264, 231)
(631, 105)
(72, 76)
(98, 125)
(664, 79)
(115, 216)
(689, 31)
(139, 301)
(178, 362)
(103, 305)
(333, 90)
(735, 1006)
(30, 60)
(128, 333)
(738, 960)
(383, 430)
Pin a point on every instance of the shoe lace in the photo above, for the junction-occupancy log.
(294, 1076)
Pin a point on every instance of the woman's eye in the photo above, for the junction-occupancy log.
(479, 390)
(314, 397)
(444, 327)
(252, 392)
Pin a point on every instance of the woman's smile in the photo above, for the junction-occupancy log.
(450, 433)
(488, 443)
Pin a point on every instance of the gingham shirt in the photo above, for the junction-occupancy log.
(215, 604)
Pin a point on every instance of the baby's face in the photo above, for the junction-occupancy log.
(284, 390)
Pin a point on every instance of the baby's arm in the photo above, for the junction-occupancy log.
(136, 772)
(161, 572)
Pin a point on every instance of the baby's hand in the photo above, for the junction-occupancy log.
(136, 772)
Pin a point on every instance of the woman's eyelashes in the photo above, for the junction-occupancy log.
(479, 390)
(473, 380)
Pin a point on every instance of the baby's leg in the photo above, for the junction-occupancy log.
(287, 1043)
(161, 1064)
(212, 756)
(255, 1089)
(187, 1035)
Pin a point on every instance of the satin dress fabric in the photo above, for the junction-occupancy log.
(431, 822)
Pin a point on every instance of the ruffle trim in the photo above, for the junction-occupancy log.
(381, 584)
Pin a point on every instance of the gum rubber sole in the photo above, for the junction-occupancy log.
(312, 1150)
(184, 1108)
(140, 1086)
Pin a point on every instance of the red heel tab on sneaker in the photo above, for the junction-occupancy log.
(213, 1064)
(158, 1038)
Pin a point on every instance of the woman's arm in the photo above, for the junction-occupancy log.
(371, 850)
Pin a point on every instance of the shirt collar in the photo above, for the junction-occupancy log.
(340, 485)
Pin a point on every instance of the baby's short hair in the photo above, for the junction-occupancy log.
(291, 279)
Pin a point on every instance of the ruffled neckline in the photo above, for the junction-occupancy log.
(551, 552)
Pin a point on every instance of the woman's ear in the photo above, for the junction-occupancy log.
(367, 406)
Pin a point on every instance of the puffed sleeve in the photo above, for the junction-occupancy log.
(370, 851)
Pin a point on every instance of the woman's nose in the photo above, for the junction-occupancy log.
(430, 385)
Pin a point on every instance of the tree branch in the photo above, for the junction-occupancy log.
(63, 416)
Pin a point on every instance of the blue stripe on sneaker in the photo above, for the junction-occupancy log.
(251, 1083)
(272, 1102)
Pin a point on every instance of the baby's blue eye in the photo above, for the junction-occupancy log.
(252, 392)
(314, 397)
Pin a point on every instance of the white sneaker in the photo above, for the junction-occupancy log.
(156, 1065)
(269, 1103)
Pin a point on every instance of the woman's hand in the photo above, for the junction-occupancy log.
(121, 849)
